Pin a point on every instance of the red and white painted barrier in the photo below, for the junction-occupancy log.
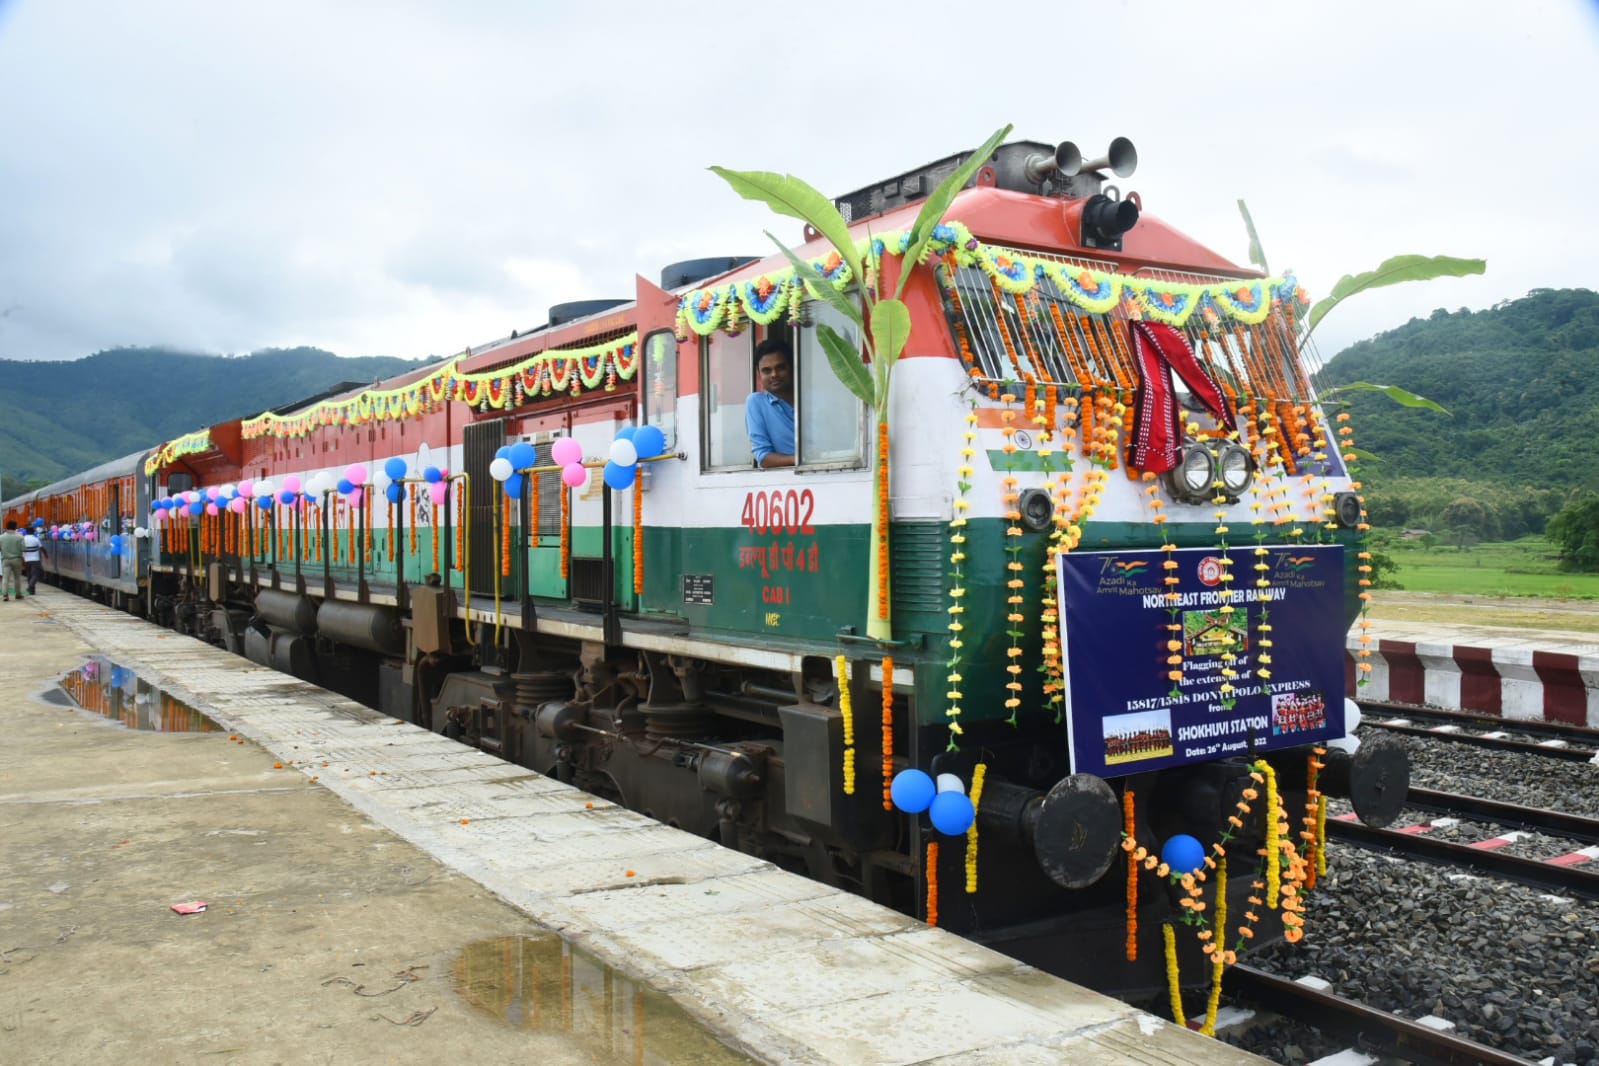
(1509, 682)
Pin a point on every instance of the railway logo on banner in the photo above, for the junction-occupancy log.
(1126, 715)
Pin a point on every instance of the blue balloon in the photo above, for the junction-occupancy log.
(431, 475)
(1182, 853)
(952, 813)
(286, 496)
(38, 523)
(264, 502)
(649, 441)
(619, 477)
(912, 791)
(197, 507)
(522, 455)
(626, 432)
(395, 468)
(345, 486)
(513, 486)
(395, 492)
(116, 545)
(502, 452)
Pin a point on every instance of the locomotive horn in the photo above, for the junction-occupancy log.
(1067, 160)
(1122, 159)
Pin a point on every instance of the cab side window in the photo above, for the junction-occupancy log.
(725, 386)
(831, 418)
(660, 384)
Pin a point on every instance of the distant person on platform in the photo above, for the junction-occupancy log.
(769, 415)
(32, 558)
(11, 562)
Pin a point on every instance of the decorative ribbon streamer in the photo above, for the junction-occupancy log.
(1158, 350)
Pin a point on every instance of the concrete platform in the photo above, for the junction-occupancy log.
(1525, 674)
(344, 885)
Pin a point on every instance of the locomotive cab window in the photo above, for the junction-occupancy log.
(660, 384)
(773, 401)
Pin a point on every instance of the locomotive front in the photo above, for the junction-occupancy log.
(1124, 554)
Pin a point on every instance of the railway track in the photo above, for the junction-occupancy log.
(1550, 739)
(1423, 1041)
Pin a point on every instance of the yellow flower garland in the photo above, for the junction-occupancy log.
(971, 831)
(847, 712)
(1173, 978)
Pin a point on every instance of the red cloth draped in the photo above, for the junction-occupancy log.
(1158, 349)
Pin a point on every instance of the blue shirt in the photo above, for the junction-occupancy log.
(769, 422)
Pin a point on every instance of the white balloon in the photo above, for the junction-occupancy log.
(951, 783)
(226, 491)
(140, 532)
(265, 488)
(500, 469)
(623, 453)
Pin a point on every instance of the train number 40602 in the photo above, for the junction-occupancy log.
(779, 511)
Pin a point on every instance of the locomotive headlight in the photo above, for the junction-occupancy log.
(1037, 509)
(1346, 507)
(1190, 481)
(1237, 470)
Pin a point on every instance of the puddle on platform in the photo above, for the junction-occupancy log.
(117, 693)
(543, 984)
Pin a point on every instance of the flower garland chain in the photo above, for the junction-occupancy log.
(1052, 664)
(882, 520)
(1174, 986)
(957, 592)
(847, 712)
(638, 534)
(932, 882)
(1129, 835)
(566, 531)
(1311, 834)
(1014, 583)
(888, 732)
(1346, 446)
(978, 774)
(1273, 832)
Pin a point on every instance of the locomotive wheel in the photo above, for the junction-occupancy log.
(1078, 831)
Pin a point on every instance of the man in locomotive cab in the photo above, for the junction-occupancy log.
(769, 416)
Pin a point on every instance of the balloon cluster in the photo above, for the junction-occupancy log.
(632, 443)
(945, 801)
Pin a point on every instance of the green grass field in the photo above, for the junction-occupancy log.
(1525, 567)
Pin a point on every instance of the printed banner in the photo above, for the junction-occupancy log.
(1125, 712)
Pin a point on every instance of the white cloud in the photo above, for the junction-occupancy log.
(410, 178)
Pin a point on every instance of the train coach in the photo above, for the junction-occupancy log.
(1028, 653)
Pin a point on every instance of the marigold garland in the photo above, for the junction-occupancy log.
(566, 531)
(638, 534)
(366, 511)
(846, 711)
(1313, 845)
(460, 524)
(888, 732)
(1174, 986)
(1013, 566)
(389, 538)
(1273, 837)
(1129, 834)
(932, 882)
(505, 533)
(533, 510)
(882, 519)
(978, 774)
(414, 490)
(1346, 446)
(957, 592)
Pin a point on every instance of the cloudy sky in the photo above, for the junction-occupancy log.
(407, 178)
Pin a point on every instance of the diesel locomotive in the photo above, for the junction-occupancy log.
(1092, 572)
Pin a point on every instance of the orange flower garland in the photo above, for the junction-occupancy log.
(932, 882)
(566, 531)
(533, 508)
(638, 533)
(505, 533)
(1310, 834)
(888, 732)
(1129, 833)
(460, 521)
(846, 711)
(882, 520)
(390, 537)
(366, 508)
(1013, 567)
(414, 490)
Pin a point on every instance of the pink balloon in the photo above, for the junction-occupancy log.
(356, 473)
(291, 483)
(211, 493)
(566, 451)
(246, 488)
(355, 495)
(574, 474)
(236, 505)
(212, 509)
(438, 492)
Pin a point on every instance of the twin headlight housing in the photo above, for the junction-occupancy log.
(1206, 468)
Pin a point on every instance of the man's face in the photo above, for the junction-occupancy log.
(775, 373)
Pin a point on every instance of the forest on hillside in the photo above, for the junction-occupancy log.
(58, 418)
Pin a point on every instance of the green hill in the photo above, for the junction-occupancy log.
(1521, 383)
(57, 418)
